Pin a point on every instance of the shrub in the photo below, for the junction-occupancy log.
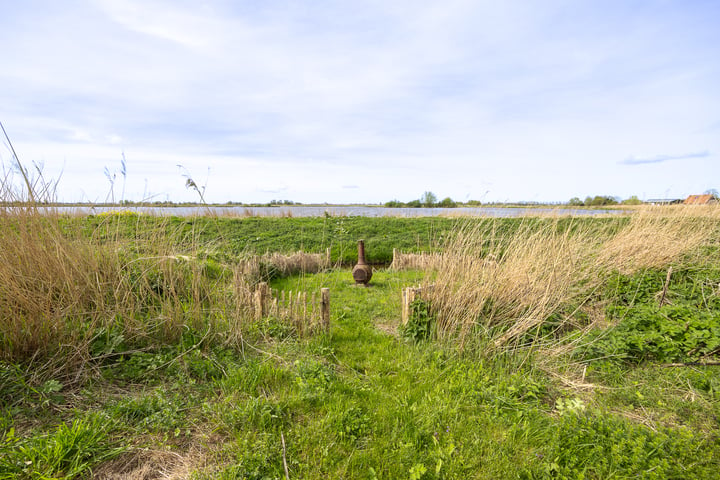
(447, 202)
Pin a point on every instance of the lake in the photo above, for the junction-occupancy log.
(338, 211)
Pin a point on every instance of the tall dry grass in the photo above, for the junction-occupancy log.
(66, 295)
(656, 236)
(503, 287)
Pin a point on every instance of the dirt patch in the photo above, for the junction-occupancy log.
(152, 464)
(387, 326)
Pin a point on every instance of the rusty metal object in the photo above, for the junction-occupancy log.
(362, 272)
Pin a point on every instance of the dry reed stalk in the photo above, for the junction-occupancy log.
(504, 287)
(507, 285)
(60, 291)
(298, 262)
(655, 237)
(415, 261)
(254, 269)
(51, 285)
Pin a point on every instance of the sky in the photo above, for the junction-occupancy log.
(362, 102)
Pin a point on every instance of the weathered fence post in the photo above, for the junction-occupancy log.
(325, 308)
(260, 300)
(408, 297)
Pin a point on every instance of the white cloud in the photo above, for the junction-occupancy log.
(534, 101)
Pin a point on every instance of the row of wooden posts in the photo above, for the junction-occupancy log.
(308, 313)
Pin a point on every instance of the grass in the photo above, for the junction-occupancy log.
(364, 402)
(148, 366)
(228, 238)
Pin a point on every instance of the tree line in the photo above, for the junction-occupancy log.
(427, 200)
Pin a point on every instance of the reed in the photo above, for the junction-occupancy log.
(500, 288)
(657, 236)
(67, 295)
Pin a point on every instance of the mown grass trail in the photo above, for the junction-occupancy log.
(390, 408)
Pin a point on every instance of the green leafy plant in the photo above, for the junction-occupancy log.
(603, 446)
(354, 424)
(70, 451)
(675, 333)
(417, 471)
(420, 324)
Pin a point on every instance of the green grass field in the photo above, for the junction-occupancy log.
(635, 394)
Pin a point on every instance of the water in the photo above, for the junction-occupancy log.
(350, 211)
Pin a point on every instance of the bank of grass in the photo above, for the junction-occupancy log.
(226, 238)
(149, 368)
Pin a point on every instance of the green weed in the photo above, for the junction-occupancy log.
(420, 325)
(602, 446)
(70, 451)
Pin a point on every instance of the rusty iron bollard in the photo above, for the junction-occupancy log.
(362, 272)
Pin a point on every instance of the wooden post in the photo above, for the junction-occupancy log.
(403, 307)
(327, 257)
(290, 306)
(325, 308)
(260, 300)
(393, 265)
(408, 297)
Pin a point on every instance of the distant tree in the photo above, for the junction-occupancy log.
(428, 199)
(634, 200)
(447, 202)
(473, 203)
(575, 202)
(712, 192)
(599, 201)
(394, 204)
(414, 204)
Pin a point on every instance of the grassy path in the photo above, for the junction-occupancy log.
(393, 409)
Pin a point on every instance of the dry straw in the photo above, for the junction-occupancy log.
(502, 287)
(62, 291)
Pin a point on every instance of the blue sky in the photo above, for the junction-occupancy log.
(345, 102)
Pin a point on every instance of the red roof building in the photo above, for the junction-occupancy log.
(706, 199)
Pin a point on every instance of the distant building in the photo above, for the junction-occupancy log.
(664, 201)
(706, 199)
